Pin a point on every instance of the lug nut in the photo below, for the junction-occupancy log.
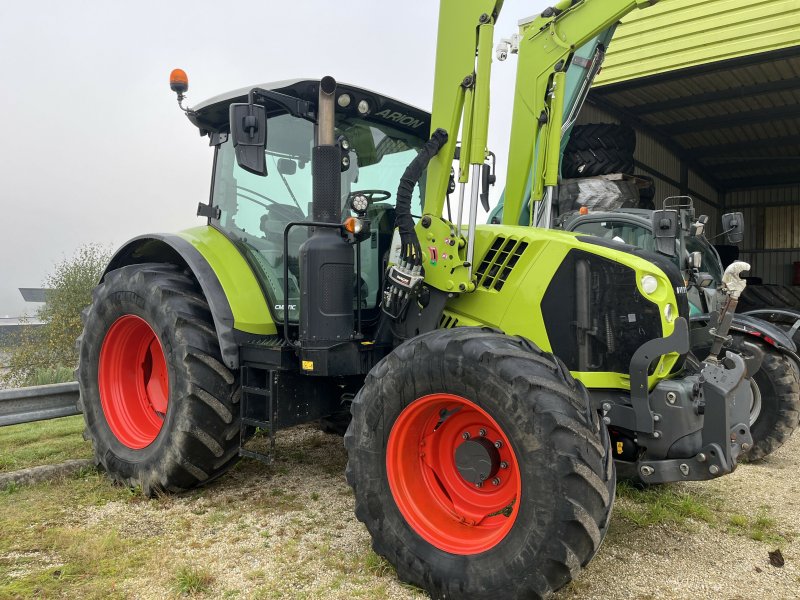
(656, 434)
(465, 435)
(498, 444)
(713, 469)
(479, 484)
(496, 481)
(504, 465)
(701, 457)
(482, 432)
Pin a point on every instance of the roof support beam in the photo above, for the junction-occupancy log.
(746, 183)
(731, 120)
(759, 89)
(700, 152)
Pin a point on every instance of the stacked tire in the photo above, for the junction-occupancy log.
(604, 149)
(599, 149)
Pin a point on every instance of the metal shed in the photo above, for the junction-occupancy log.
(712, 88)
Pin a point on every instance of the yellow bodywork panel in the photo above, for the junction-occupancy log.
(527, 270)
(245, 296)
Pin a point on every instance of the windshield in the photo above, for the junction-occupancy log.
(255, 210)
(711, 262)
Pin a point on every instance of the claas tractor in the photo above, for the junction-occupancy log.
(770, 353)
(483, 365)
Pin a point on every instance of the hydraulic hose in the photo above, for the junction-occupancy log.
(411, 251)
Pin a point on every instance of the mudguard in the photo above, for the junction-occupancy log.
(237, 302)
(758, 328)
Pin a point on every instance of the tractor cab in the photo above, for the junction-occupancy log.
(378, 136)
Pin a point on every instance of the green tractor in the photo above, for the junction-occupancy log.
(770, 353)
(480, 389)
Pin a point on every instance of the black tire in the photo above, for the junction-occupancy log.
(603, 136)
(567, 474)
(779, 414)
(199, 437)
(591, 163)
(599, 149)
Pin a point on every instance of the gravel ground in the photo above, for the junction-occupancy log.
(288, 531)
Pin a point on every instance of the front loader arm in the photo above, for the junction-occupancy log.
(546, 46)
(460, 90)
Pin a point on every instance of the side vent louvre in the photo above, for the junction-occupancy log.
(499, 261)
(448, 321)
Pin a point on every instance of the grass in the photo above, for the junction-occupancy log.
(665, 504)
(45, 553)
(42, 443)
(192, 580)
(761, 528)
(50, 375)
(645, 507)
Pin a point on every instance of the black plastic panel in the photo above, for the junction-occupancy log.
(593, 304)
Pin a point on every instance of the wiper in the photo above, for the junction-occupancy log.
(289, 189)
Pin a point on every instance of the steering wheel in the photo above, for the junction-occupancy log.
(372, 195)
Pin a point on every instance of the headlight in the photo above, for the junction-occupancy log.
(649, 284)
(669, 313)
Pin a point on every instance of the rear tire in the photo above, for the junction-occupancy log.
(559, 471)
(196, 439)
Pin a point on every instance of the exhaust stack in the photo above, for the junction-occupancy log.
(327, 264)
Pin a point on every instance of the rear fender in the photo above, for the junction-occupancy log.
(236, 300)
(768, 332)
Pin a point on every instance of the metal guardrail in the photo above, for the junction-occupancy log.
(38, 403)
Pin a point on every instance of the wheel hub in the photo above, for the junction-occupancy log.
(453, 474)
(477, 460)
(133, 382)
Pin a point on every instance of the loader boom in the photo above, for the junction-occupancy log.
(546, 46)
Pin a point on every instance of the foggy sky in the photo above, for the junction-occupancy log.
(95, 148)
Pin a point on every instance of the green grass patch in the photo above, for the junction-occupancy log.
(665, 504)
(761, 527)
(46, 553)
(42, 443)
(192, 580)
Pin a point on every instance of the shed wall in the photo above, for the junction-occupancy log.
(772, 236)
(676, 34)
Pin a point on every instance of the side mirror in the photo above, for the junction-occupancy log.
(248, 124)
(665, 231)
(286, 166)
(733, 226)
(699, 226)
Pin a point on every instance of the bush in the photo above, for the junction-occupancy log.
(47, 354)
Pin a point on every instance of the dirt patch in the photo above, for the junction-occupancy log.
(288, 531)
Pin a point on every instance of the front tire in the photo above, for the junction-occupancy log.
(161, 409)
(454, 408)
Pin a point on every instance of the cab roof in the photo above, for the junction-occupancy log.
(212, 115)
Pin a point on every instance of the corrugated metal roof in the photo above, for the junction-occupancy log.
(676, 34)
(737, 122)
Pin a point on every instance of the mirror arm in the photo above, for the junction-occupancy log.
(294, 106)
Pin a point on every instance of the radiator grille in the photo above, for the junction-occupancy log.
(496, 266)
